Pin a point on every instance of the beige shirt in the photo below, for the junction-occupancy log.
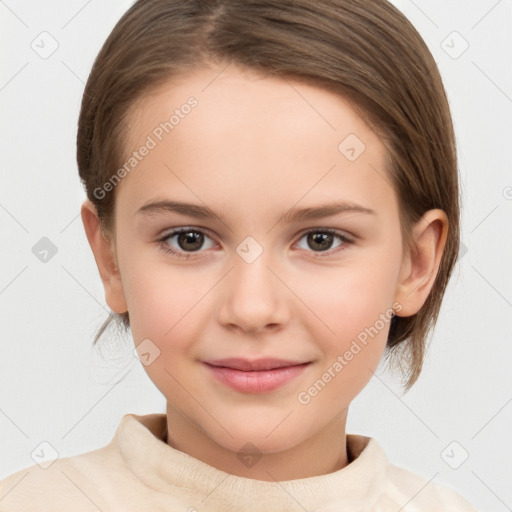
(138, 471)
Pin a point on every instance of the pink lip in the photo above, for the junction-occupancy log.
(265, 363)
(255, 376)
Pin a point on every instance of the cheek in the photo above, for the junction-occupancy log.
(350, 310)
(351, 337)
(161, 298)
(165, 304)
(350, 297)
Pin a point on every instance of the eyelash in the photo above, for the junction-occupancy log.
(169, 250)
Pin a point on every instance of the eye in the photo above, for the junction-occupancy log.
(322, 240)
(186, 241)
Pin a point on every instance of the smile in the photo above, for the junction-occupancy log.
(255, 381)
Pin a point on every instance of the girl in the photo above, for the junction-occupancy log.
(305, 153)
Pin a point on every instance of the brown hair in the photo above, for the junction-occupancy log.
(365, 50)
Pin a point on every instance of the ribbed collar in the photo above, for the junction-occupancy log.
(141, 443)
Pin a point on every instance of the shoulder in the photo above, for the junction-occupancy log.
(71, 481)
(415, 493)
(392, 488)
(101, 479)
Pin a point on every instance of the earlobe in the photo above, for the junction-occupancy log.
(420, 268)
(104, 254)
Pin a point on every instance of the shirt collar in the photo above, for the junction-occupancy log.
(142, 445)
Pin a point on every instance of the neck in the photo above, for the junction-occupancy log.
(323, 453)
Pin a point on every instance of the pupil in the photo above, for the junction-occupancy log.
(194, 238)
(320, 239)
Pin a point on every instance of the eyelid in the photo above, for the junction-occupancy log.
(180, 229)
(324, 229)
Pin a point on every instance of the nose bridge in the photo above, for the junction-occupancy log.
(254, 297)
(253, 278)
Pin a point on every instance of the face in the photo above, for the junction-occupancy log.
(275, 271)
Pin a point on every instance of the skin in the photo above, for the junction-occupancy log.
(253, 149)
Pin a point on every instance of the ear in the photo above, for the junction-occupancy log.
(420, 267)
(104, 254)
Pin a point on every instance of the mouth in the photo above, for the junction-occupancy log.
(256, 376)
(247, 365)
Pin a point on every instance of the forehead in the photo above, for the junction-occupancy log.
(250, 137)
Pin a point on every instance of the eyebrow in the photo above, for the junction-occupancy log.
(161, 207)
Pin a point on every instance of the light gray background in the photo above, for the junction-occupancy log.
(55, 388)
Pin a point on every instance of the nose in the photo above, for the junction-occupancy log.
(253, 298)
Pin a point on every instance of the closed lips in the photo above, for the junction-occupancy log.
(256, 365)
